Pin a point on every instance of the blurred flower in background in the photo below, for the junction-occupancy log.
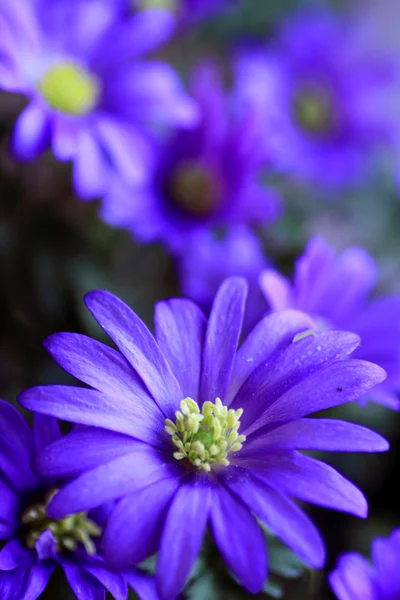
(355, 578)
(91, 96)
(209, 177)
(319, 98)
(335, 289)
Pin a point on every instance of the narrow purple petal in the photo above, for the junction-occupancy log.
(182, 536)
(222, 337)
(89, 407)
(128, 538)
(385, 556)
(315, 434)
(273, 332)
(312, 481)
(285, 519)
(14, 426)
(122, 475)
(46, 546)
(112, 581)
(9, 502)
(13, 554)
(340, 382)
(239, 539)
(38, 579)
(13, 583)
(31, 132)
(138, 346)
(144, 585)
(353, 579)
(83, 584)
(180, 330)
(64, 458)
(91, 172)
(16, 468)
(45, 431)
(277, 290)
(295, 363)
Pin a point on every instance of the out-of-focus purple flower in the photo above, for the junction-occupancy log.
(355, 578)
(319, 98)
(209, 259)
(186, 11)
(190, 431)
(205, 178)
(335, 290)
(91, 96)
(34, 543)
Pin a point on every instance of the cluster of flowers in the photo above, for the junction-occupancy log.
(200, 426)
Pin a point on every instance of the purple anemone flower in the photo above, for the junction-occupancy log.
(91, 96)
(192, 431)
(319, 98)
(335, 290)
(355, 578)
(209, 259)
(34, 543)
(206, 178)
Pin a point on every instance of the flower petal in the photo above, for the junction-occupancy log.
(91, 172)
(89, 407)
(123, 475)
(239, 540)
(46, 546)
(180, 330)
(138, 346)
(353, 579)
(45, 431)
(385, 556)
(83, 584)
(38, 579)
(31, 132)
(9, 502)
(277, 290)
(182, 536)
(285, 519)
(222, 337)
(273, 332)
(134, 528)
(13, 554)
(312, 481)
(112, 581)
(144, 585)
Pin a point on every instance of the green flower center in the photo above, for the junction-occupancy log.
(314, 112)
(207, 437)
(171, 5)
(193, 189)
(68, 533)
(70, 89)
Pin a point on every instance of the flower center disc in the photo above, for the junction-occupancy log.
(194, 189)
(68, 533)
(207, 437)
(171, 5)
(313, 111)
(70, 89)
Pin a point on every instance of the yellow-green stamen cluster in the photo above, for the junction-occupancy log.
(313, 110)
(207, 437)
(68, 88)
(68, 533)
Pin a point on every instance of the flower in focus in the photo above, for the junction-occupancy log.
(319, 97)
(190, 431)
(209, 259)
(355, 578)
(334, 289)
(91, 96)
(205, 178)
(34, 543)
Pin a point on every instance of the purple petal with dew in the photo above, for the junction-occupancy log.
(83, 584)
(64, 458)
(314, 434)
(354, 579)
(31, 132)
(239, 539)
(144, 585)
(45, 430)
(134, 528)
(180, 328)
(222, 337)
(13, 555)
(273, 332)
(385, 556)
(277, 290)
(182, 536)
(285, 519)
(112, 581)
(340, 382)
(138, 346)
(110, 481)
(89, 407)
(46, 546)
(310, 480)
(295, 363)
